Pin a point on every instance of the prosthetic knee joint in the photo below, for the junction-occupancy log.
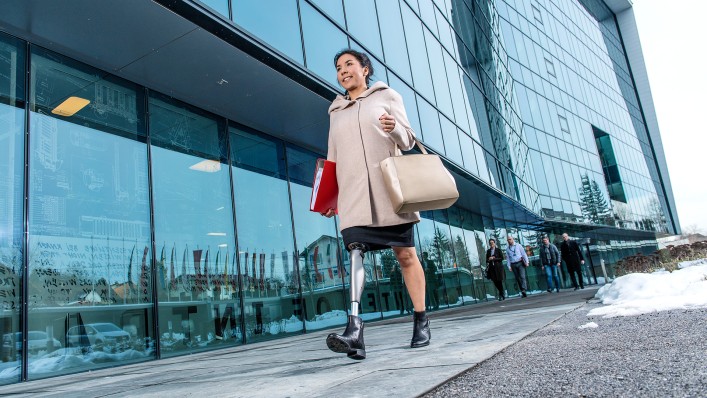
(358, 275)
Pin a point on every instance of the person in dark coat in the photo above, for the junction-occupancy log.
(494, 268)
(573, 257)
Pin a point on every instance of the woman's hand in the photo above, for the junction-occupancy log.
(329, 213)
(387, 122)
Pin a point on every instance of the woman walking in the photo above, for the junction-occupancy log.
(365, 126)
(494, 268)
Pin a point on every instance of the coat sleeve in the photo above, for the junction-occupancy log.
(402, 134)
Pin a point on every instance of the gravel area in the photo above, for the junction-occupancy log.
(661, 354)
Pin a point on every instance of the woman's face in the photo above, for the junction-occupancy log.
(350, 73)
(492, 243)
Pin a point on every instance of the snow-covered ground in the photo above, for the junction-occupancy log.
(637, 294)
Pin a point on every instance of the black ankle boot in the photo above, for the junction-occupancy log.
(351, 341)
(421, 330)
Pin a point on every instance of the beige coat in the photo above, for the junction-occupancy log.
(357, 143)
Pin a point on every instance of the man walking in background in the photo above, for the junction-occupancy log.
(517, 262)
(574, 259)
(550, 258)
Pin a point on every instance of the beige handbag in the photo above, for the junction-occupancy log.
(418, 182)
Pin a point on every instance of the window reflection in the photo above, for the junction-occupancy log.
(393, 35)
(429, 122)
(333, 8)
(322, 41)
(463, 265)
(362, 23)
(194, 238)
(277, 26)
(12, 127)
(317, 248)
(429, 241)
(418, 53)
(89, 238)
(269, 277)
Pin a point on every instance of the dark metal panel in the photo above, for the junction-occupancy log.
(213, 75)
(106, 34)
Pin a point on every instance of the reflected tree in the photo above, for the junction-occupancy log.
(595, 209)
(462, 253)
(442, 248)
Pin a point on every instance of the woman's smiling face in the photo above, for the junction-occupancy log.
(350, 74)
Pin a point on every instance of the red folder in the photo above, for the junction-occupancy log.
(325, 190)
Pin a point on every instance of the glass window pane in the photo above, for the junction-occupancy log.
(333, 8)
(12, 61)
(265, 240)
(393, 36)
(277, 26)
(429, 121)
(451, 141)
(463, 266)
(89, 232)
(317, 246)
(466, 145)
(220, 6)
(12, 126)
(362, 23)
(430, 260)
(427, 12)
(481, 160)
(410, 103)
(322, 41)
(199, 305)
(455, 86)
(439, 75)
(418, 53)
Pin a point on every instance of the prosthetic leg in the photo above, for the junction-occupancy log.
(351, 341)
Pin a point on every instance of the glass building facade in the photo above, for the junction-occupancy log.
(156, 181)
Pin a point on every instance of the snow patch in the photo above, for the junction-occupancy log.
(637, 294)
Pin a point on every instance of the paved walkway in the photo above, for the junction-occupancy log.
(302, 366)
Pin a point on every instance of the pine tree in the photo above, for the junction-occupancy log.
(592, 201)
(440, 242)
(462, 253)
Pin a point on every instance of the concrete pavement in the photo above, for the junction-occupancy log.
(302, 366)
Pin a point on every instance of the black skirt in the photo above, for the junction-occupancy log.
(380, 238)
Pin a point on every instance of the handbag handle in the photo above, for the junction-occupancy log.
(399, 152)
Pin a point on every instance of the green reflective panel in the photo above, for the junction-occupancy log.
(90, 257)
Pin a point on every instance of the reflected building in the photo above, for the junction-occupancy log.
(157, 162)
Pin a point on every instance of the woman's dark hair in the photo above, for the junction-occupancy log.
(492, 240)
(361, 57)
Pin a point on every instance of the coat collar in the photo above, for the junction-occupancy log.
(342, 102)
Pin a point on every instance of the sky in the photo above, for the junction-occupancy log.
(673, 35)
